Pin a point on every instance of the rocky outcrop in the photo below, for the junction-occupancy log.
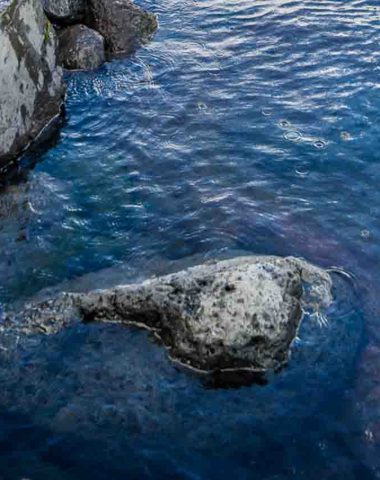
(65, 11)
(31, 86)
(230, 315)
(111, 26)
(124, 25)
(80, 48)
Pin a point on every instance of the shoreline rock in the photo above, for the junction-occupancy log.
(238, 314)
(31, 83)
(124, 25)
(31, 78)
(102, 28)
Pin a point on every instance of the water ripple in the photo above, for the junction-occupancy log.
(243, 126)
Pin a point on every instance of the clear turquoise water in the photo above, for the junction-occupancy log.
(244, 126)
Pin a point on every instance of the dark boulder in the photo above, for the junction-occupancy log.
(65, 11)
(123, 25)
(80, 48)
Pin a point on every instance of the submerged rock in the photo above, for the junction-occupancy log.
(235, 314)
(80, 47)
(31, 85)
(65, 11)
(123, 25)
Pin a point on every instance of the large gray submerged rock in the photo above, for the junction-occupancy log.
(241, 313)
(123, 24)
(80, 48)
(31, 85)
(65, 11)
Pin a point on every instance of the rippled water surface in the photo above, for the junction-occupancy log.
(244, 126)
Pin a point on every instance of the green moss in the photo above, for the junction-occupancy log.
(47, 31)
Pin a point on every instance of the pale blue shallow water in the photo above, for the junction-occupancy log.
(244, 126)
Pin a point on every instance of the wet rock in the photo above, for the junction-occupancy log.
(235, 314)
(65, 11)
(31, 85)
(80, 48)
(124, 25)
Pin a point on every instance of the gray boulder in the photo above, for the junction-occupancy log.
(124, 25)
(65, 11)
(80, 47)
(31, 85)
(230, 315)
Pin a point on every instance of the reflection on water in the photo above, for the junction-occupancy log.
(243, 126)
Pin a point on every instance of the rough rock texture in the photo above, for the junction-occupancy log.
(65, 11)
(234, 314)
(123, 25)
(80, 47)
(31, 86)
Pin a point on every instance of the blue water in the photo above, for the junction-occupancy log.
(244, 126)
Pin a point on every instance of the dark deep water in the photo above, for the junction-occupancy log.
(244, 126)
